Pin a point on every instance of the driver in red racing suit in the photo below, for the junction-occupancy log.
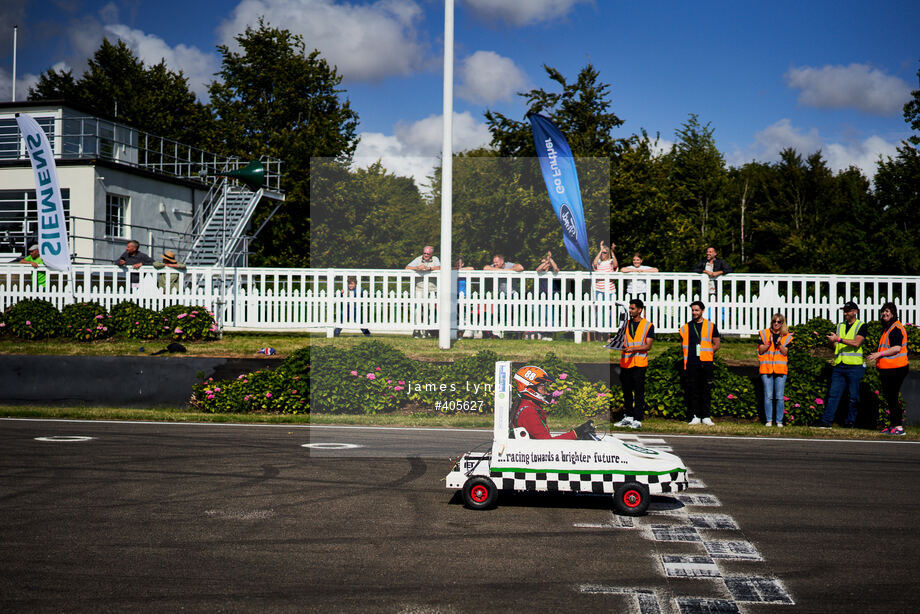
(531, 384)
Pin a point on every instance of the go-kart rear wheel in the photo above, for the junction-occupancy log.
(479, 493)
(631, 499)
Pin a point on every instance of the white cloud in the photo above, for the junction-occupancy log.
(769, 142)
(863, 155)
(414, 149)
(86, 34)
(23, 83)
(365, 42)
(522, 12)
(661, 147)
(487, 77)
(857, 86)
(197, 65)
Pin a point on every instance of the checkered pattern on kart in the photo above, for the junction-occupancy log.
(599, 483)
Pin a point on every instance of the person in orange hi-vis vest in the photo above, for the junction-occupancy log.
(891, 361)
(633, 363)
(700, 340)
(772, 351)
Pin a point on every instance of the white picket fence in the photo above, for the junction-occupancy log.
(402, 301)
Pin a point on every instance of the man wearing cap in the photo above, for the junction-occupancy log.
(35, 259)
(169, 261)
(849, 368)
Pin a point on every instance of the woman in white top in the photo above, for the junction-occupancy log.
(638, 287)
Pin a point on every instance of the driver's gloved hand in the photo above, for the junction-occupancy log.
(584, 431)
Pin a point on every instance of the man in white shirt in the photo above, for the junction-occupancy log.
(424, 287)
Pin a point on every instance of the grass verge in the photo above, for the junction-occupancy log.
(723, 427)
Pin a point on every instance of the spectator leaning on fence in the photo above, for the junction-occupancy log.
(639, 287)
(605, 262)
(171, 279)
(772, 352)
(546, 290)
(849, 368)
(633, 363)
(713, 266)
(700, 340)
(500, 264)
(34, 258)
(423, 264)
(891, 360)
(132, 257)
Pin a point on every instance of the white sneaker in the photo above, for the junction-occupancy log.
(694, 421)
(626, 421)
(635, 424)
(779, 425)
(708, 422)
(769, 423)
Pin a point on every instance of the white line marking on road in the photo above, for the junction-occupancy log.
(645, 599)
(696, 605)
(701, 500)
(416, 428)
(713, 521)
(64, 438)
(331, 446)
(747, 589)
(733, 550)
(668, 533)
(677, 566)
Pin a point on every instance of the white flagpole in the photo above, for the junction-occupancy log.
(447, 281)
(15, 32)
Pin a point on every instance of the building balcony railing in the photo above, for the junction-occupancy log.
(83, 137)
(402, 301)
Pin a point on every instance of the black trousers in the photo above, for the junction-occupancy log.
(891, 390)
(698, 389)
(633, 382)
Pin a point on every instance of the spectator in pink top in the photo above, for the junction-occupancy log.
(605, 290)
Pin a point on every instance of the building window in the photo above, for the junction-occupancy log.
(116, 215)
(11, 144)
(19, 218)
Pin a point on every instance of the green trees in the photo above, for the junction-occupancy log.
(273, 98)
(118, 86)
(897, 190)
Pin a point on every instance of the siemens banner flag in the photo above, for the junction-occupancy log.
(561, 179)
(52, 227)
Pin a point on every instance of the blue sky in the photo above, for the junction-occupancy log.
(815, 75)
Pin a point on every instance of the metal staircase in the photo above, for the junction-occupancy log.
(218, 230)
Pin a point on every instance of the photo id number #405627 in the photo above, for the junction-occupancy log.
(448, 406)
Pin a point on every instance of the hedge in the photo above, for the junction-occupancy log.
(39, 319)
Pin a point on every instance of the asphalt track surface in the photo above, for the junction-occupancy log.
(179, 517)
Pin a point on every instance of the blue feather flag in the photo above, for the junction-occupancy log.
(558, 167)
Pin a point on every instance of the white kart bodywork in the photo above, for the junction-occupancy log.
(518, 463)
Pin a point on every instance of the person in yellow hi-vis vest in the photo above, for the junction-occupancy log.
(849, 367)
(772, 351)
(633, 363)
(699, 340)
(891, 361)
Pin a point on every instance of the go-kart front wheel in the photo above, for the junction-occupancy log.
(479, 493)
(631, 499)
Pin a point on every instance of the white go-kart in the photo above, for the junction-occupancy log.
(602, 465)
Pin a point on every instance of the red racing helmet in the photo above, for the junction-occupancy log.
(526, 380)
